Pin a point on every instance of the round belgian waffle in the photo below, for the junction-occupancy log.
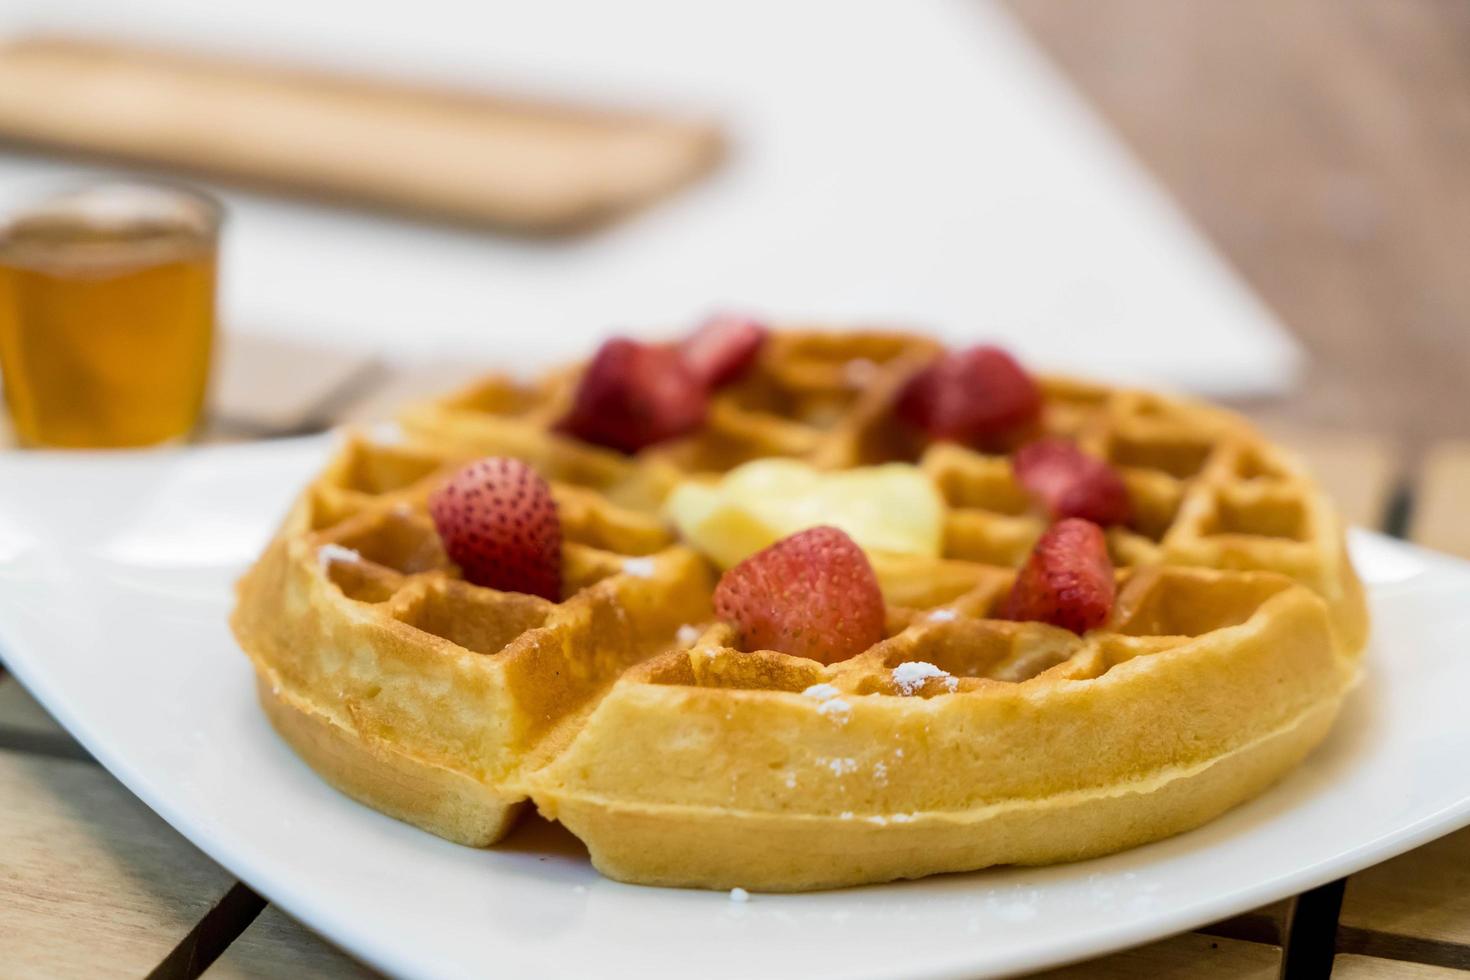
(627, 713)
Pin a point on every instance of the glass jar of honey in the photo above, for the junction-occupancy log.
(107, 309)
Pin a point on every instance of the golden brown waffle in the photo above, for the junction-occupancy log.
(422, 694)
(624, 712)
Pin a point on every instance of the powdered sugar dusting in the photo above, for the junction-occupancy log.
(638, 567)
(739, 895)
(836, 709)
(330, 552)
(820, 692)
(841, 767)
(910, 677)
(687, 635)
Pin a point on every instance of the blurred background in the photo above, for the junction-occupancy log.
(1254, 203)
(344, 205)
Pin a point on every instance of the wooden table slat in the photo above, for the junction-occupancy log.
(1441, 517)
(1350, 966)
(21, 712)
(95, 884)
(1424, 894)
(274, 945)
(1190, 956)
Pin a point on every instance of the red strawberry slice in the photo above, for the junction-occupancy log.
(633, 395)
(1070, 483)
(1067, 581)
(970, 396)
(723, 349)
(499, 525)
(813, 595)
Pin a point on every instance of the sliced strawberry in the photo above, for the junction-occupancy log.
(970, 396)
(1070, 483)
(1067, 581)
(723, 349)
(813, 595)
(633, 395)
(499, 525)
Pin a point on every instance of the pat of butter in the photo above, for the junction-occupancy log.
(888, 508)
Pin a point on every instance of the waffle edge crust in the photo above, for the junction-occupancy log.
(625, 711)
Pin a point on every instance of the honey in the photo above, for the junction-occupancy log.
(107, 310)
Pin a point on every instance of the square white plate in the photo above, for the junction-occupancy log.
(114, 587)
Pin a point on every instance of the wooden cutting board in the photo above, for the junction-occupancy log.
(465, 156)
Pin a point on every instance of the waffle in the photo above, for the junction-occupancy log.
(959, 741)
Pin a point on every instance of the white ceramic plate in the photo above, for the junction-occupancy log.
(114, 587)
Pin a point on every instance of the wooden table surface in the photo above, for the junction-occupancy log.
(1321, 145)
(1324, 146)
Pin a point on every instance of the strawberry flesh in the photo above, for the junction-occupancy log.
(723, 349)
(813, 595)
(633, 395)
(1070, 483)
(499, 524)
(1067, 581)
(972, 396)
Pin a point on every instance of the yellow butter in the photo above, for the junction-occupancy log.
(890, 508)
